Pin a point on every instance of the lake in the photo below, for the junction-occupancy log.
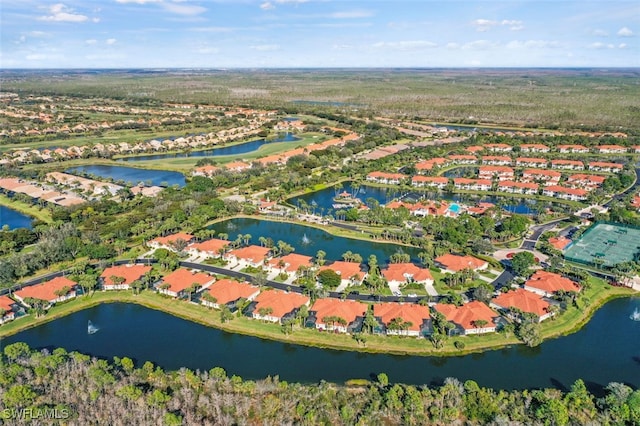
(14, 219)
(237, 149)
(131, 175)
(308, 240)
(607, 349)
(323, 199)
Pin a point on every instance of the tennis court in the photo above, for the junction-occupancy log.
(605, 244)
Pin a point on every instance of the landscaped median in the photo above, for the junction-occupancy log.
(571, 321)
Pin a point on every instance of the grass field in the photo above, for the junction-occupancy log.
(611, 244)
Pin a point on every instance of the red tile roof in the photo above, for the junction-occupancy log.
(227, 290)
(537, 172)
(431, 179)
(403, 271)
(456, 263)
(5, 303)
(559, 243)
(348, 310)
(250, 253)
(47, 290)
(170, 239)
(466, 315)
(463, 157)
(408, 312)
(130, 273)
(383, 175)
(538, 146)
(564, 190)
(501, 158)
(524, 300)
(280, 302)
(292, 261)
(605, 164)
(182, 278)
(474, 148)
(574, 163)
(212, 246)
(531, 160)
(346, 270)
(551, 282)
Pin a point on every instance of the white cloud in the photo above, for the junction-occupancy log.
(111, 41)
(478, 45)
(61, 13)
(483, 25)
(625, 32)
(266, 47)
(407, 45)
(353, 14)
(267, 5)
(599, 45)
(453, 46)
(532, 44)
(291, 1)
(138, 1)
(622, 46)
(600, 33)
(207, 50)
(183, 9)
(91, 41)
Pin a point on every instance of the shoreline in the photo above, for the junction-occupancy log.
(391, 345)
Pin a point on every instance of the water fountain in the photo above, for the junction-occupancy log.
(305, 240)
(91, 329)
(635, 315)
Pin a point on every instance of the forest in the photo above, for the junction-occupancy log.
(35, 384)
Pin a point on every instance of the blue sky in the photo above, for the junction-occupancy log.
(318, 33)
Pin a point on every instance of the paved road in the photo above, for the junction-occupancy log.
(633, 188)
(530, 242)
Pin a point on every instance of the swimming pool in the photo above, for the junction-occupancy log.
(454, 208)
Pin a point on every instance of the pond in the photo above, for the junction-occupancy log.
(322, 201)
(131, 175)
(147, 335)
(308, 240)
(14, 219)
(237, 149)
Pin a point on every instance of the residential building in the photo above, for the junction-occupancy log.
(471, 318)
(291, 264)
(589, 182)
(559, 243)
(524, 301)
(571, 194)
(463, 159)
(473, 184)
(7, 306)
(426, 165)
(453, 263)
(496, 160)
(122, 276)
(548, 177)
(611, 149)
(430, 181)
(277, 305)
(350, 272)
(406, 319)
(547, 283)
(228, 292)
(169, 242)
(518, 187)
(251, 255)
(337, 315)
(534, 147)
(403, 273)
(540, 163)
(567, 164)
(211, 248)
(177, 282)
(569, 149)
(602, 166)
(499, 172)
(386, 178)
(53, 291)
(498, 147)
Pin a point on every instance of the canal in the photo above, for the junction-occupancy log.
(14, 219)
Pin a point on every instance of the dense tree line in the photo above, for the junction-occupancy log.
(95, 391)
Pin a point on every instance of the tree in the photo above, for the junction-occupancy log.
(373, 265)
(225, 314)
(320, 255)
(329, 279)
(521, 262)
(483, 292)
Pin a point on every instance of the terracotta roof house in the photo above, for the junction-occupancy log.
(207, 170)
(433, 181)
(547, 283)
(169, 241)
(463, 159)
(498, 147)
(252, 255)
(496, 160)
(549, 177)
(350, 272)
(229, 292)
(47, 291)
(327, 313)
(559, 243)
(277, 305)
(602, 166)
(567, 164)
(534, 147)
(474, 148)
(466, 318)
(129, 273)
(524, 301)
(237, 166)
(500, 172)
(453, 263)
(472, 184)
(290, 263)
(7, 305)
(573, 148)
(406, 319)
(580, 180)
(402, 273)
(427, 165)
(573, 194)
(387, 178)
(211, 248)
(611, 149)
(531, 162)
(175, 283)
(518, 187)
